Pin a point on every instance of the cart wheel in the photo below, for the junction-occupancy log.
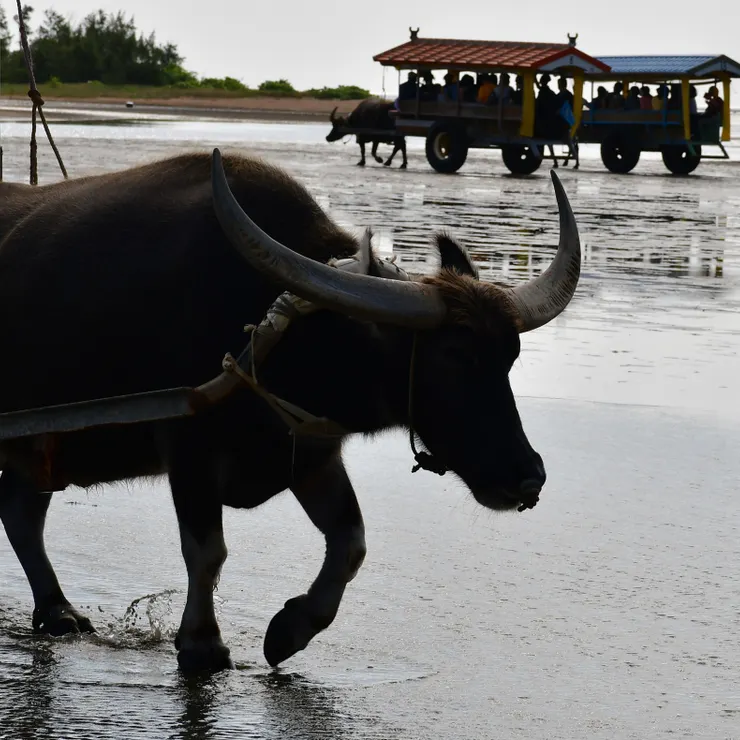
(619, 154)
(520, 159)
(679, 160)
(447, 147)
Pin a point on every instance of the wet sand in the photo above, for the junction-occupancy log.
(256, 109)
(609, 611)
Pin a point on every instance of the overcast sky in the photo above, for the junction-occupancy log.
(329, 43)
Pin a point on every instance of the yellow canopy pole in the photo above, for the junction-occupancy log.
(685, 110)
(527, 126)
(726, 132)
(577, 101)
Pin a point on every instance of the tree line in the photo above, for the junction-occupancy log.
(108, 48)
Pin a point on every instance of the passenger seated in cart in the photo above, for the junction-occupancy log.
(429, 90)
(616, 98)
(674, 101)
(467, 89)
(486, 87)
(407, 90)
(715, 104)
(451, 88)
(502, 92)
(693, 108)
(646, 99)
(517, 96)
(661, 96)
(633, 99)
(601, 101)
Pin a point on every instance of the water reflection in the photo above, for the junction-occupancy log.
(27, 687)
(197, 696)
(296, 708)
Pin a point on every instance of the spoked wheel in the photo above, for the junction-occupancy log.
(446, 148)
(619, 154)
(679, 160)
(520, 159)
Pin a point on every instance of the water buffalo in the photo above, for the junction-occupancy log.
(142, 279)
(373, 116)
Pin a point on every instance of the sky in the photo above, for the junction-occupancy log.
(319, 43)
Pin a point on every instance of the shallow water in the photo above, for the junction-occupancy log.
(610, 611)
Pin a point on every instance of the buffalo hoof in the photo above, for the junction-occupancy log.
(403, 166)
(291, 629)
(206, 655)
(361, 163)
(387, 164)
(378, 159)
(60, 619)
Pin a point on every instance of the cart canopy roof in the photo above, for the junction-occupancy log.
(485, 56)
(667, 67)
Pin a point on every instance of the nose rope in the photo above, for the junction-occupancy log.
(424, 460)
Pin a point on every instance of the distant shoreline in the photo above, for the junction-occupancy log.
(272, 109)
(259, 108)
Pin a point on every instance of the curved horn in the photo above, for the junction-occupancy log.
(542, 299)
(411, 304)
(333, 115)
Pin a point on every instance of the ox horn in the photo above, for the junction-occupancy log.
(333, 116)
(410, 304)
(542, 299)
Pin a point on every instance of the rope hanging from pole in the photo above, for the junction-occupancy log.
(38, 103)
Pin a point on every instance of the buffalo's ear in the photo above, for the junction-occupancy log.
(454, 256)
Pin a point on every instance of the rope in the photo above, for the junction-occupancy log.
(424, 461)
(38, 102)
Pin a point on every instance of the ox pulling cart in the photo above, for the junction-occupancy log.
(523, 125)
(453, 127)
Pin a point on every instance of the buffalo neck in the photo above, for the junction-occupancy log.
(353, 372)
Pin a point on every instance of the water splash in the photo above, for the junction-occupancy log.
(146, 621)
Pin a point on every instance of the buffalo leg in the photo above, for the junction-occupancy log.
(23, 513)
(330, 502)
(388, 161)
(361, 163)
(398, 146)
(199, 514)
(374, 151)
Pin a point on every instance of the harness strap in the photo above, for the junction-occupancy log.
(299, 421)
(424, 460)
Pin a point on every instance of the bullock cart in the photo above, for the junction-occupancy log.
(522, 129)
(677, 126)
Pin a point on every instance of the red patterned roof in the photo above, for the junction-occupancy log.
(469, 55)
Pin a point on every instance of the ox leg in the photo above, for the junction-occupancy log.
(361, 163)
(23, 513)
(404, 161)
(374, 151)
(199, 514)
(388, 161)
(330, 502)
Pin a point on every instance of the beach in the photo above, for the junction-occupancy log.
(230, 108)
(611, 610)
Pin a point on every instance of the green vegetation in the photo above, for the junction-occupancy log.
(105, 56)
(277, 87)
(343, 92)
